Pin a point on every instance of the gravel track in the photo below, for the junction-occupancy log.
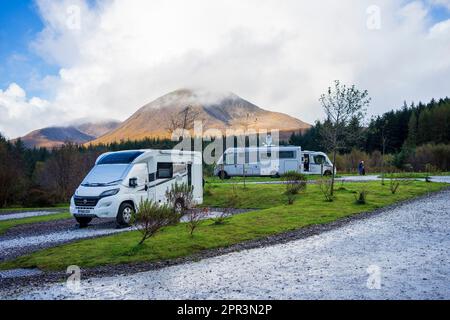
(409, 244)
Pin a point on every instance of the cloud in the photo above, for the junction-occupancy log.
(18, 114)
(118, 55)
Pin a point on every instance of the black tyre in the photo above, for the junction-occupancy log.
(125, 214)
(223, 175)
(327, 173)
(180, 207)
(83, 221)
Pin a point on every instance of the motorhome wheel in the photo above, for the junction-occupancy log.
(83, 221)
(125, 214)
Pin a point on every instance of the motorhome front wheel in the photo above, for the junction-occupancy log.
(125, 214)
(83, 221)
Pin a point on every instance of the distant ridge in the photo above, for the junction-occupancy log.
(54, 137)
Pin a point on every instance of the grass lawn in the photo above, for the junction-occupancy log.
(21, 209)
(8, 224)
(413, 175)
(274, 217)
(259, 179)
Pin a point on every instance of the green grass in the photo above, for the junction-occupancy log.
(413, 175)
(21, 209)
(256, 179)
(8, 224)
(274, 217)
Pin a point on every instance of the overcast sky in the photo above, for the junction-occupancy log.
(64, 60)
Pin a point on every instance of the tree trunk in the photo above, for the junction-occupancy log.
(334, 172)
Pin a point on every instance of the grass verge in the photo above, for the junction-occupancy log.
(273, 218)
(8, 224)
(413, 175)
(22, 209)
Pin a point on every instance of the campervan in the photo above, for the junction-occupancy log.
(119, 181)
(271, 161)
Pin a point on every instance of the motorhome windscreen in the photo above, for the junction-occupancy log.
(109, 174)
(120, 157)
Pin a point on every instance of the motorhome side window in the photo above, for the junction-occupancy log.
(287, 154)
(319, 159)
(164, 170)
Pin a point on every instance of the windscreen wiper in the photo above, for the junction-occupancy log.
(112, 182)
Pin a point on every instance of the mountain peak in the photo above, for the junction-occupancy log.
(216, 110)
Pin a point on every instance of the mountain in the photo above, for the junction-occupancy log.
(52, 137)
(216, 110)
(97, 129)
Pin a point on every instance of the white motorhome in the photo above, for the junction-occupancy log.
(271, 161)
(119, 181)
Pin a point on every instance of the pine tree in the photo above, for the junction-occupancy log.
(412, 131)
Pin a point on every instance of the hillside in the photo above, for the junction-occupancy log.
(52, 137)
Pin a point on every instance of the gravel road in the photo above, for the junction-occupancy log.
(403, 251)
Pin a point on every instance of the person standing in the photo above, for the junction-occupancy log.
(361, 168)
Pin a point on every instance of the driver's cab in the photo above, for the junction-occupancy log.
(316, 163)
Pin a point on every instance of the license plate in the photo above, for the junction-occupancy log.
(84, 211)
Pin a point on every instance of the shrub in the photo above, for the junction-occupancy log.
(151, 217)
(39, 198)
(180, 197)
(194, 219)
(325, 188)
(437, 156)
(295, 183)
(361, 196)
(222, 217)
(394, 184)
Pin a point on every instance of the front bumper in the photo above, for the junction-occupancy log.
(105, 208)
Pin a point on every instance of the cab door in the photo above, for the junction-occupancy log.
(317, 163)
(140, 173)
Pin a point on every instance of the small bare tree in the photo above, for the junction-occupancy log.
(295, 183)
(180, 197)
(151, 217)
(195, 217)
(342, 105)
(183, 120)
(324, 184)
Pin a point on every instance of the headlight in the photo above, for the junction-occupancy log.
(109, 193)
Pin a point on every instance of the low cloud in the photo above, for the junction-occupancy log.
(121, 54)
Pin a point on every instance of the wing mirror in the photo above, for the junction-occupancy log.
(132, 183)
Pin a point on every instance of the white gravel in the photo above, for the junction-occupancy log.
(409, 245)
(17, 273)
(27, 214)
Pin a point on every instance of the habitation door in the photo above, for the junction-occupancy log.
(290, 165)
